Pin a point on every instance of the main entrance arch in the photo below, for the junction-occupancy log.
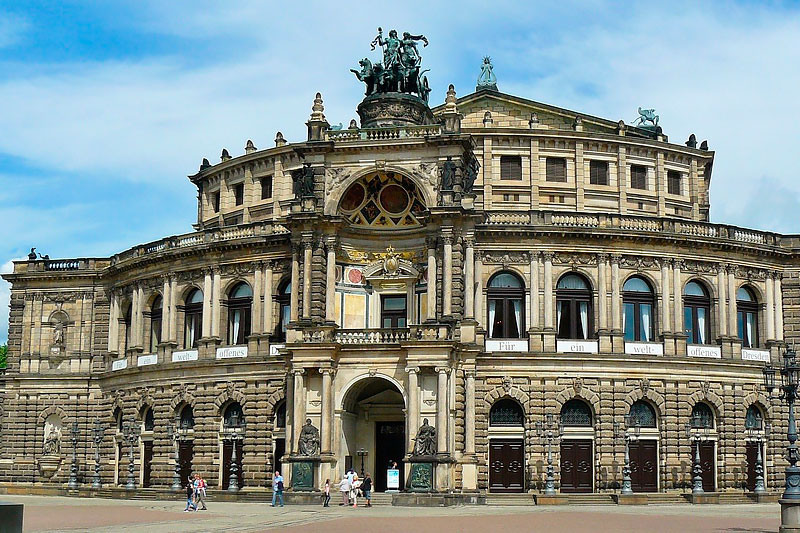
(373, 428)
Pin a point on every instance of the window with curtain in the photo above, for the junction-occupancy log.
(747, 317)
(285, 309)
(240, 300)
(702, 416)
(696, 313)
(193, 319)
(576, 413)
(642, 414)
(505, 294)
(598, 172)
(187, 417)
(638, 177)
(638, 303)
(754, 419)
(574, 319)
(155, 324)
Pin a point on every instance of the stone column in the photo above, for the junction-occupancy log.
(294, 303)
(549, 304)
(602, 302)
(299, 404)
(722, 313)
(469, 277)
(616, 300)
(166, 309)
(441, 411)
(778, 308)
(733, 326)
(258, 314)
(469, 413)
(770, 311)
(289, 442)
(478, 301)
(216, 311)
(113, 322)
(206, 303)
(327, 411)
(140, 317)
(677, 292)
(447, 275)
(267, 321)
(666, 323)
(173, 310)
(431, 242)
(307, 258)
(413, 406)
(330, 280)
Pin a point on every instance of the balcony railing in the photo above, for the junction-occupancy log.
(426, 332)
(383, 134)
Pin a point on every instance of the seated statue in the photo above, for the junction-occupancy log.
(309, 439)
(425, 443)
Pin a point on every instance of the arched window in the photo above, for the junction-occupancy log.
(155, 324)
(696, 313)
(702, 416)
(239, 301)
(118, 419)
(747, 317)
(193, 319)
(285, 309)
(127, 320)
(280, 416)
(642, 414)
(187, 417)
(754, 419)
(149, 420)
(637, 309)
(506, 293)
(506, 412)
(233, 416)
(574, 308)
(575, 413)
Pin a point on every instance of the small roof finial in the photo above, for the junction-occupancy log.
(317, 109)
(450, 101)
(692, 142)
(279, 140)
(487, 81)
(225, 155)
(204, 165)
(249, 148)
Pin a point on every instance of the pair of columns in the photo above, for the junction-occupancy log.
(447, 275)
(212, 290)
(296, 397)
(305, 249)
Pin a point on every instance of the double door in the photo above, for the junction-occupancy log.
(644, 465)
(576, 465)
(185, 456)
(506, 465)
(147, 463)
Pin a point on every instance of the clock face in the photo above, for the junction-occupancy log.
(383, 200)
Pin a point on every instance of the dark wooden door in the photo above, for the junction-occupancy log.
(707, 461)
(506, 465)
(227, 453)
(185, 456)
(576, 466)
(147, 463)
(752, 459)
(390, 445)
(280, 450)
(644, 465)
(121, 464)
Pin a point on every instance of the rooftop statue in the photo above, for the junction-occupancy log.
(400, 71)
(486, 79)
(646, 115)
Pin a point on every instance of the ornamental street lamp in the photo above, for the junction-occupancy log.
(759, 437)
(362, 453)
(173, 437)
(550, 430)
(98, 431)
(631, 432)
(73, 469)
(236, 431)
(131, 433)
(697, 430)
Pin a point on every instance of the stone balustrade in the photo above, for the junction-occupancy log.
(425, 332)
(383, 134)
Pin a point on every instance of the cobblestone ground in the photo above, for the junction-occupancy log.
(96, 515)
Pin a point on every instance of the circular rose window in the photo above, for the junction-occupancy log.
(353, 197)
(394, 199)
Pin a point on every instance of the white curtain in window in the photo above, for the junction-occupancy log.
(645, 322)
(236, 320)
(558, 316)
(518, 315)
(189, 333)
(750, 319)
(701, 325)
(624, 315)
(584, 310)
(492, 308)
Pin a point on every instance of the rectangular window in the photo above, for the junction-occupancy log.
(673, 182)
(598, 172)
(510, 167)
(638, 177)
(393, 311)
(556, 169)
(215, 201)
(238, 192)
(266, 187)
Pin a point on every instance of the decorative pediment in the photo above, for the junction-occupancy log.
(391, 266)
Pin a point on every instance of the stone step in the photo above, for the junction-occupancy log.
(521, 500)
(590, 499)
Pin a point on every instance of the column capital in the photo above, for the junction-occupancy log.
(469, 374)
(677, 264)
(603, 258)
(298, 371)
(412, 369)
(442, 369)
(307, 240)
(431, 241)
(616, 258)
(548, 256)
(331, 241)
(330, 371)
(469, 241)
(776, 275)
(447, 239)
(206, 271)
(268, 264)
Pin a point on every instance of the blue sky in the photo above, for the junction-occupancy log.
(105, 107)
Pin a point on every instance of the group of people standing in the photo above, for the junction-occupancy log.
(195, 493)
(351, 488)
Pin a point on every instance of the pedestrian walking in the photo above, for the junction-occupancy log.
(200, 492)
(277, 489)
(326, 496)
(344, 488)
(354, 488)
(190, 503)
(366, 488)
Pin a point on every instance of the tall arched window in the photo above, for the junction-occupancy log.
(505, 296)
(754, 419)
(233, 415)
(240, 300)
(574, 308)
(576, 413)
(637, 309)
(506, 412)
(193, 319)
(118, 421)
(696, 313)
(187, 417)
(280, 416)
(285, 309)
(149, 419)
(702, 416)
(155, 324)
(642, 414)
(747, 317)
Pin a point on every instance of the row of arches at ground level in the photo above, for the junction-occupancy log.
(574, 449)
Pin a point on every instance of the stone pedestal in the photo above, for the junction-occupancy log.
(630, 499)
(11, 517)
(790, 516)
(393, 109)
(303, 474)
(421, 478)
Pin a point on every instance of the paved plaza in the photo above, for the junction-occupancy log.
(98, 515)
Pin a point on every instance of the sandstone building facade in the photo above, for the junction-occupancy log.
(482, 265)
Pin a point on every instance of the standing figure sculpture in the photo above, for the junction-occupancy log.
(308, 443)
(448, 174)
(303, 181)
(487, 79)
(425, 443)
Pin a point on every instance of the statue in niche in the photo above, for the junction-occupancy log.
(448, 174)
(309, 439)
(58, 334)
(303, 181)
(425, 442)
(52, 436)
(471, 169)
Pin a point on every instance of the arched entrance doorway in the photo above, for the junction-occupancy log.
(373, 429)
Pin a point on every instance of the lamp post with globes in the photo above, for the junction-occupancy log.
(696, 430)
(633, 428)
(173, 437)
(758, 436)
(236, 432)
(550, 430)
(787, 392)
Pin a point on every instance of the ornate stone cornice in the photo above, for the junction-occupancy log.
(505, 258)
